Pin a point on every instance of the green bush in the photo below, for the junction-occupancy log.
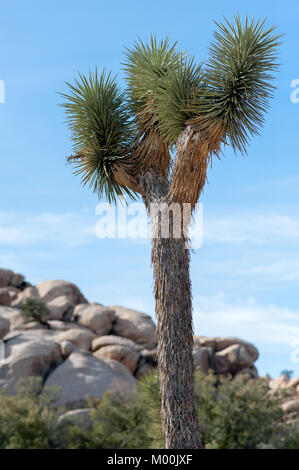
(35, 310)
(236, 414)
(116, 424)
(28, 420)
(233, 414)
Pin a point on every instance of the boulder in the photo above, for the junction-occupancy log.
(234, 358)
(294, 382)
(17, 280)
(82, 375)
(280, 382)
(4, 327)
(250, 371)
(59, 296)
(55, 331)
(120, 370)
(9, 278)
(13, 315)
(35, 329)
(202, 358)
(204, 341)
(120, 349)
(134, 325)
(5, 298)
(28, 293)
(67, 348)
(81, 338)
(50, 290)
(95, 317)
(109, 340)
(219, 343)
(60, 307)
(27, 355)
(5, 277)
(127, 356)
(8, 294)
(291, 405)
(80, 418)
(59, 325)
(33, 325)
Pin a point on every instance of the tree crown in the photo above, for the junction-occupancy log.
(224, 99)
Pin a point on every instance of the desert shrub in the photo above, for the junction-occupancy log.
(116, 424)
(28, 420)
(234, 413)
(289, 436)
(33, 309)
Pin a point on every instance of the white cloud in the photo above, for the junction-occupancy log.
(77, 228)
(70, 229)
(270, 324)
(282, 270)
(257, 229)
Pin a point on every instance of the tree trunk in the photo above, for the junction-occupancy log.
(172, 289)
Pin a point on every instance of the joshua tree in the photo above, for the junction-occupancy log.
(156, 139)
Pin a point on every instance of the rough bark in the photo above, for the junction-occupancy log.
(194, 152)
(172, 289)
(124, 174)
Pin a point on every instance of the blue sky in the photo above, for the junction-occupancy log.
(246, 274)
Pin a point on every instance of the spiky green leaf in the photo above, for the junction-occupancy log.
(173, 103)
(101, 131)
(146, 68)
(239, 78)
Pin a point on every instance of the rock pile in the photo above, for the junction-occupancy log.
(87, 348)
(290, 390)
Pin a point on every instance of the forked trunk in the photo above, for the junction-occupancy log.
(172, 289)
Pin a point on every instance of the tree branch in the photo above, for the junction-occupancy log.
(195, 147)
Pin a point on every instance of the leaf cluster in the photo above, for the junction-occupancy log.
(166, 91)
